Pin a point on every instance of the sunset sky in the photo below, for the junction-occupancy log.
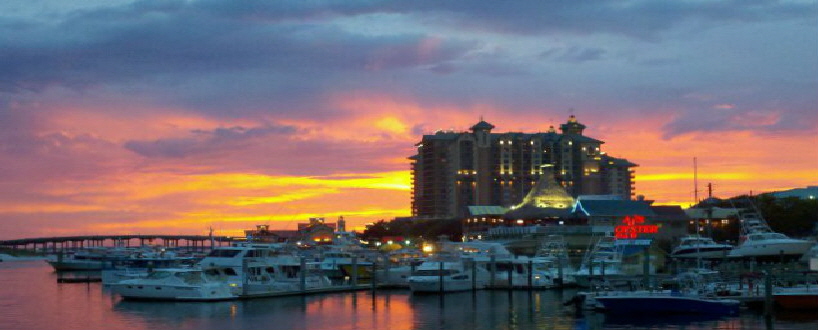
(175, 116)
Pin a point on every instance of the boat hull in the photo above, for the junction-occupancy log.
(798, 301)
(773, 251)
(172, 292)
(667, 304)
(704, 253)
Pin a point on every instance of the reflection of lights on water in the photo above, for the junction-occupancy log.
(234, 309)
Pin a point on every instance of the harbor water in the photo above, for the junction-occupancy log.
(31, 298)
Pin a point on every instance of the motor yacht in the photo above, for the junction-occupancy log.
(698, 247)
(436, 276)
(281, 275)
(142, 262)
(88, 258)
(184, 284)
(526, 272)
(340, 264)
(758, 241)
(231, 261)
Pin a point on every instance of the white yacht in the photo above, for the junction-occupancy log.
(141, 262)
(698, 247)
(398, 266)
(232, 260)
(602, 262)
(758, 241)
(8, 257)
(517, 272)
(88, 258)
(447, 276)
(338, 264)
(176, 284)
(281, 275)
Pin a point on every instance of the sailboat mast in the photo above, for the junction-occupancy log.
(696, 202)
(695, 182)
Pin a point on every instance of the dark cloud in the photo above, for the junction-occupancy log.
(201, 142)
(153, 39)
(637, 18)
(574, 54)
(733, 120)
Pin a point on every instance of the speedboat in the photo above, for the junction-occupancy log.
(184, 284)
(695, 247)
(624, 302)
(759, 242)
(447, 276)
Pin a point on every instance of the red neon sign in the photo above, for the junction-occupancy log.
(633, 227)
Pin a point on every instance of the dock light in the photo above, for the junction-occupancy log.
(520, 221)
(428, 248)
(377, 243)
(389, 242)
(406, 242)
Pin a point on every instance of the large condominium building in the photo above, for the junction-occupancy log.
(453, 170)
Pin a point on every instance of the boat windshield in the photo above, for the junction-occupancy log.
(159, 275)
(190, 277)
(431, 272)
(223, 253)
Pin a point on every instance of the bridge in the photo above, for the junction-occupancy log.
(55, 244)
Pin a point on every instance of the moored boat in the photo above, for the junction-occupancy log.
(695, 247)
(665, 302)
(758, 241)
(799, 298)
(447, 276)
(182, 284)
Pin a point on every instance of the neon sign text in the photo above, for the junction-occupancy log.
(633, 227)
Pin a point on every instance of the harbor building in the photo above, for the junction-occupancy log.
(548, 209)
(454, 170)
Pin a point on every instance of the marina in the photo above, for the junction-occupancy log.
(93, 306)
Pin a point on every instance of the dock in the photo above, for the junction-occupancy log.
(79, 280)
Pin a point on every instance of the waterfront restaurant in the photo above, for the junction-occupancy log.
(549, 210)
